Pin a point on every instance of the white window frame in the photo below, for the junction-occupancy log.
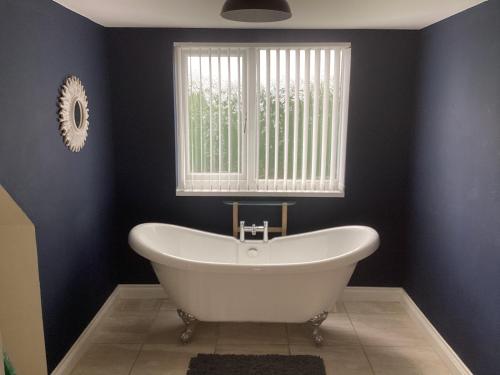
(249, 138)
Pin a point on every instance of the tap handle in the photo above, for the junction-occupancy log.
(242, 231)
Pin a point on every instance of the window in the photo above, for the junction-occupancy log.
(261, 119)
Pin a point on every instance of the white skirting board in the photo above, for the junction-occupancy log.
(83, 342)
(451, 359)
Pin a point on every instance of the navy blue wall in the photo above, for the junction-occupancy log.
(428, 181)
(67, 195)
(453, 268)
(380, 117)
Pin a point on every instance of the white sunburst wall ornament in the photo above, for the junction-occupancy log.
(73, 114)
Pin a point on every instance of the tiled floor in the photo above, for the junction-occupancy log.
(140, 337)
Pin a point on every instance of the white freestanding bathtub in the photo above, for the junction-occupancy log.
(212, 277)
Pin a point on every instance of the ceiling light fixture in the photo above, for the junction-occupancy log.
(256, 10)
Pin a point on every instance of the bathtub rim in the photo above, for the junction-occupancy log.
(168, 260)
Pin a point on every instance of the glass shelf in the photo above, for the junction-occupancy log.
(261, 203)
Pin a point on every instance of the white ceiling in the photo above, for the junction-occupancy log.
(310, 14)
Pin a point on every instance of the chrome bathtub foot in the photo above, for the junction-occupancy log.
(315, 323)
(190, 322)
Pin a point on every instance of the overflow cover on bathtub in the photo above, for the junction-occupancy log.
(253, 252)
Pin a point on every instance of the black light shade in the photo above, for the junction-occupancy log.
(256, 10)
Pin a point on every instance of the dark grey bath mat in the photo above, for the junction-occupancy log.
(231, 364)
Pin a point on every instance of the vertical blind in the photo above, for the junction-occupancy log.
(261, 119)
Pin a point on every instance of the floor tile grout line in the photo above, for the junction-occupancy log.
(403, 311)
(364, 347)
(217, 335)
(145, 338)
(361, 343)
(412, 327)
(136, 358)
(109, 315)
(288, 339)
